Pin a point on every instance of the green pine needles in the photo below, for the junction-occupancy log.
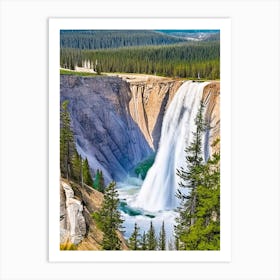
(67, 145)
(134, 242)
(98, 182)
(162, 238)
(198, 223)
(147, 241)
(109, 219)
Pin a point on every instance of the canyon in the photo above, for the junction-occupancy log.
(117, 122)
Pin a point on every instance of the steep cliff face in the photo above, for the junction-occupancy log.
(150, 99)
(76, 224)
(211, 97)
(104, 130)
(117, 120)
(72, 221)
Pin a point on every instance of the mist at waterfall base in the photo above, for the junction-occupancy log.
(128, 192)
(154, 199)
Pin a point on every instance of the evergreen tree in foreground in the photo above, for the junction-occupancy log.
(198, 224)
(133, 242)
(151, 238)
(109, 219)
(77, 163)
(87, 179)
(143, 242)
(67, 145)
(190, 179)
(204, 234)
(162, 238)
(98, 183)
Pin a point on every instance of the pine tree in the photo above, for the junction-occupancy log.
(87, 179)
(204, 234)
(151, 238)
(109, 219)
(133, 242)
(143, 241)
(198, 224)
(190, 179)
(102, 183)
(67, 145)
(98, 183)
(77, 167)
(177, 243)
(162, 238)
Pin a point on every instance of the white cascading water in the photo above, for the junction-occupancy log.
(161, 183)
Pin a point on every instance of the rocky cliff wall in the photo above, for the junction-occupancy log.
(76, 224)
(150, 99)
(211, 97)
(104, 130)
(117, 120)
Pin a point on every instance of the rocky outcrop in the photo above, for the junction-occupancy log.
(76, 223)
(72, 221)
(211, 97)
(104, 130)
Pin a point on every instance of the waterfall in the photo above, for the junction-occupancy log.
(160, 185)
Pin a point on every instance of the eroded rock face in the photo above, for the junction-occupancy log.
(211, 97)
(150, 99)
(117, 120)
(77, 204)
(72, 221)
(104, 130)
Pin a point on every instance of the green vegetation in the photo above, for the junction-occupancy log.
(162, 238)
(86, 173)
(204, 234)
(76, 73)
(143, 167)
(67, 146)
(147, 241)
(68, 246)
(77, 167)
(106, 39)
(109, 220)
(198, 224)
(98, 182)
(133, 242)
(143, 242)
(182, 60)
(151, 238)
(165, 53)
(72, 166)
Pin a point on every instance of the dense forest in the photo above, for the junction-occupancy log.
(171, 53)
(107, 39)
(178, 60)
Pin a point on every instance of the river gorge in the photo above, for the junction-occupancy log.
(121, 121)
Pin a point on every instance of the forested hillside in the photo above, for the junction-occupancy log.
(177, 60)
(105, 39)
(171, 53)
